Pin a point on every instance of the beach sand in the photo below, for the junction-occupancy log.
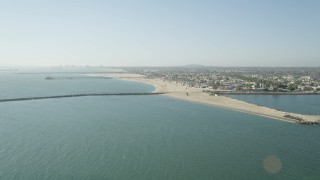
(198, 96)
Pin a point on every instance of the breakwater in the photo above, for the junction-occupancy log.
(78, 95)
(77, 78)
(301, 120)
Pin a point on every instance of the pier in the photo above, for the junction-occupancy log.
(78, 95)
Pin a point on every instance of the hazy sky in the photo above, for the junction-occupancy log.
(162, 32)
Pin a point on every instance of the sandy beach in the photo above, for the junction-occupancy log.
(196, 95)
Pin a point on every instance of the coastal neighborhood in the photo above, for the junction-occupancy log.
(239, 80)
(208, 85)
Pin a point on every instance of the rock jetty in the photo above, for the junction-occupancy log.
(301, 120)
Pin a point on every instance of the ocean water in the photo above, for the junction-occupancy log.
(144, 137)
(30, 85)
(302, 104)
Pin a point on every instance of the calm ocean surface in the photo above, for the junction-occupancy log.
(141, 137)
(302, 104)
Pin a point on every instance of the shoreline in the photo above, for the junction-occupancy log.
(197, 95)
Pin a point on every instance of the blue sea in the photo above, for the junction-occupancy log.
(140, 137)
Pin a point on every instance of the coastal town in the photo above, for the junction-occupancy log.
(239, 79)
(206, 84)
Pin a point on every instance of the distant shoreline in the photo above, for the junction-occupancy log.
(196, 95)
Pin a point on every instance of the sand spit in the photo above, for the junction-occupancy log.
(197, 95)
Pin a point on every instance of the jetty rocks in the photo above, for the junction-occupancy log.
(80, 95)
(301, 120)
